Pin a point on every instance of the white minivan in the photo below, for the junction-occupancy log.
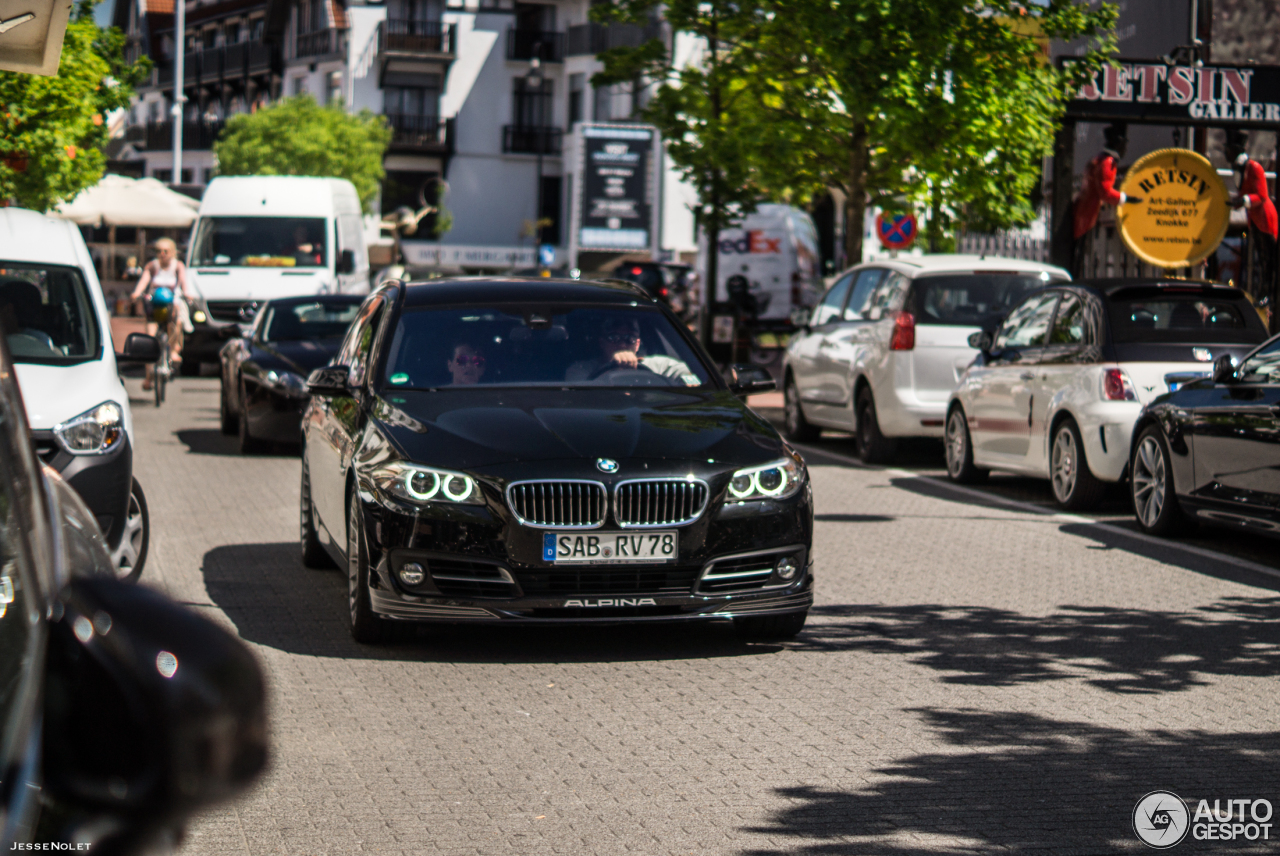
(776, 250)
(257, 238)
(55, 323)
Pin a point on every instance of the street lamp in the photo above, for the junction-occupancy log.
(533, 81)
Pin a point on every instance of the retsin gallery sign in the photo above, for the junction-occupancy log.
(1150, 91)
(616, 200)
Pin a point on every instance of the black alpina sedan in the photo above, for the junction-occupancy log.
(264, 372)
(546, 451)
(1210, 450)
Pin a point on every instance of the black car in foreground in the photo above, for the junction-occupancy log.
(122, 712)
(546, 451)
(264, 386)
(1210, 450)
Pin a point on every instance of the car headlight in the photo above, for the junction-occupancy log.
(287, 382)
(421, 485)
(777, 480)
(94, 432)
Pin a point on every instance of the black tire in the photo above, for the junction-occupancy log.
(130, 555)
(314, 555)
(248, 443)
(873, 446)
(958, 446)
(769, 628)
(366, 627)
(795, 426)
(1152, 488)
(1074, 485)
(157, 386)
(230, 422)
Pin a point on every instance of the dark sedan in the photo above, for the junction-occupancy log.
(264, 372)
(547, 451)
(1210, 450)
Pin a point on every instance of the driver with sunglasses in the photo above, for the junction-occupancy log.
(466, 365)
(619, 349)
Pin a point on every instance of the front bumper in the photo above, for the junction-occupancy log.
(483, 567)
(103, 481)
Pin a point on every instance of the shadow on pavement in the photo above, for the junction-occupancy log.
(1128, 651)
(274, 601)
(854, 518)
(211, 441)
(1012, 782)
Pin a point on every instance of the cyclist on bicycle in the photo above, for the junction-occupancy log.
(164, 271)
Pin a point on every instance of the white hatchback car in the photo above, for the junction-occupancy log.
(55, 323)
(1061, 384)
(889, 341)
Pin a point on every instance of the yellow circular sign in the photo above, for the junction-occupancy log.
(1182, 213)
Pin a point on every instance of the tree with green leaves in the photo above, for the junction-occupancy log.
(949, 102)
(52, 129)
(297, 136)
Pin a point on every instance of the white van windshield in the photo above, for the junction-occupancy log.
(259, 242)
(47, 315)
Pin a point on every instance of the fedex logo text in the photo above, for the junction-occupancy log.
(754, 241)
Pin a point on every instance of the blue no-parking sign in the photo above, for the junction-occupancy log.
(896, 231)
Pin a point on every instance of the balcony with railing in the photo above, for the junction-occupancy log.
(158, 136)
(318, 44)
(531, 44)
(421, 134)
(417, 39)
(593, 38)
(225, 64)
(531, 139)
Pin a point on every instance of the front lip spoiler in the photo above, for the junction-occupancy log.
(719, 609)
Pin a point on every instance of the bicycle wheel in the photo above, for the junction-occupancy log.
(161, 370)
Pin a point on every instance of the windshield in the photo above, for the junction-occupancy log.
(971, 300)
(47, 315)
(540, 346)
(1185, 319)
(318, 320)
(259, 242)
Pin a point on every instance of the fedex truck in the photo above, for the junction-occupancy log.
(776, 250)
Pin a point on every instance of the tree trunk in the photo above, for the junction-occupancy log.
(935, 219)
(713, 269)
(856, 198)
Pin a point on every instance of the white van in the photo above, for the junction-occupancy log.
(58, 332)
(261, 237)
(776, 249)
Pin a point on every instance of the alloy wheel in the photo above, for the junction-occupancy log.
(353, 565)
(956, 438)
(130, 554)
(1149, 481)
(791, 407)
(1065, 462)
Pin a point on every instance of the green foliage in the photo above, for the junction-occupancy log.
(55, 127)
(296, 136)
(948, 103)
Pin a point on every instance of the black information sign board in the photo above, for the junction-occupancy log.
(1153, 92)
(617, 188)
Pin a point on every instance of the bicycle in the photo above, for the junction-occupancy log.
(161, 312)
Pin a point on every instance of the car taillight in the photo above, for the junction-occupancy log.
(904, 332)
(635, 271)
(662, 292)
(1116, 386)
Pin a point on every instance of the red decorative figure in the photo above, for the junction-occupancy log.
(1251, 180)
(1100, 182)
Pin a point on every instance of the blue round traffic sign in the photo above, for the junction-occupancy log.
(896, 231)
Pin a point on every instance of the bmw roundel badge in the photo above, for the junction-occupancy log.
(606, 465)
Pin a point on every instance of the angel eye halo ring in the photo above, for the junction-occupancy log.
(414, 484)
(776, 480)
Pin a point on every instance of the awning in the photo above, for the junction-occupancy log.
(120, 201)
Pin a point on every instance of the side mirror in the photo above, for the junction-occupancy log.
(746, 379)
(151, 712)
(981, 341)
(140, 348)
(330, 380)
(347, 261)
(1224, 369)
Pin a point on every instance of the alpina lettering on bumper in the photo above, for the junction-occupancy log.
(612, 601)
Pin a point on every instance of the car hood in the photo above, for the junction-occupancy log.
(54, 394)
(246, 283)
(464, 429)
(301, 357)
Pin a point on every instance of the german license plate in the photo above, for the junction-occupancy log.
(610, 547)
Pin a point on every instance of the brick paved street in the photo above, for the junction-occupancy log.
(976, 676)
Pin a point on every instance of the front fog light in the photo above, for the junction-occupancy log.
(412, 574)
(786, 569)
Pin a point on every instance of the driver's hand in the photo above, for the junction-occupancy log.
(626, 359)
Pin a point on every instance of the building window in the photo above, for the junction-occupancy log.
(333, 87)
(577, 86)
(258, 25)
(530, 107)
(601, 108)
(299, 86)
(415, 10)
(411, 100)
